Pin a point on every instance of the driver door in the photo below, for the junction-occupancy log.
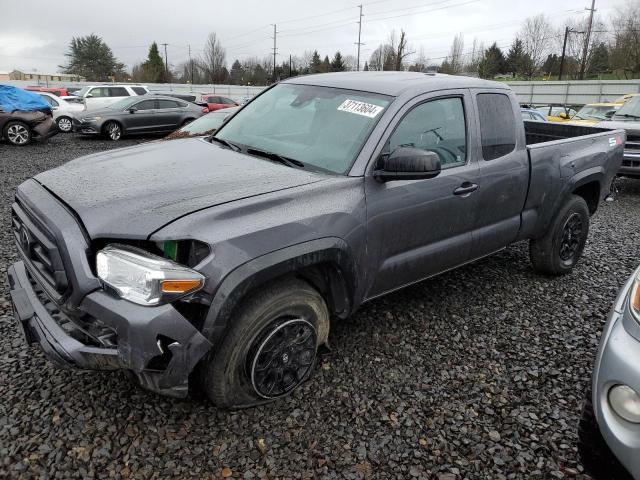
(418, 228)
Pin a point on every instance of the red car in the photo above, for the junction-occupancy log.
(216, 102)
(58, 91)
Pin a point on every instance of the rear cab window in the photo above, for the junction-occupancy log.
(118, 92)
(139, 90)
(497, 126)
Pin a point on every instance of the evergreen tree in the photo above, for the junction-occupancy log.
(599, 60)
(316, 63)
(153, 67)
(516, 58)
(91, 58)
(366, 67)
(237, 73)
(492, 62)
(337, 64)
(326, 65)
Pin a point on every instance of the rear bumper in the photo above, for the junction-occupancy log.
(45, 129)
(157, 344)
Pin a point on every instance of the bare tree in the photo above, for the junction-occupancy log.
(350, 62)
(402, 52)
(214, 58)
(454, 62)
(477, 52)
(625, 46)
(536, 34)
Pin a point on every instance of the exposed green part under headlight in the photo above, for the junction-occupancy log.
(170, 249)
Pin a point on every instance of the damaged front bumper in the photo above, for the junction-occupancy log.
(157, 344)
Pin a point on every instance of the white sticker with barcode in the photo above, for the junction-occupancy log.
(360, 108)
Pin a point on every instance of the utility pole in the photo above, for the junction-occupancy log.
(289, 65)
(586, 40)
(275, 32)
(564, 49)
(166, 62)
(191, 66)
(359, 33)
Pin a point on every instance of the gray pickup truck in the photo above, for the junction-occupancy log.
(217, 263)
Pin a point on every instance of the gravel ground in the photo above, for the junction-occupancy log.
(478, 373)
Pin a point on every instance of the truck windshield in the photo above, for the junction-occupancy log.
(631, 109)
(321, 127)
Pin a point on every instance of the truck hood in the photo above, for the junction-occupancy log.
(132, 192)
(630, 125)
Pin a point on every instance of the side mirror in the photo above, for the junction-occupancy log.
(133, 110)
(89, 95)
(610, 114)
(408, 163)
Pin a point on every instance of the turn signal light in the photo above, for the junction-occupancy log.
(635, 298)
(179, 286)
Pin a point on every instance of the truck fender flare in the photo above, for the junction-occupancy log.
(257, 272)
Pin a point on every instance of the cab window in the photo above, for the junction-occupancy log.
(497, 128)
(437, 126)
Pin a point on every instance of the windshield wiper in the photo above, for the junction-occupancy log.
(289, 162)
(627, 115)
(221, 141)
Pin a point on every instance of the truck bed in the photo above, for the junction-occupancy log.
(559, 153)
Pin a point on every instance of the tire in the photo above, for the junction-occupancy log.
(560, 248)
(595, 454)
(269, 349)
(65, 124)
(112, 131)
(17, 133)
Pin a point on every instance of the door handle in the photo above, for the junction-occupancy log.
(466, 188)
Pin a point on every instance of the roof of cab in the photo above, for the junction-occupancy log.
(393, 83)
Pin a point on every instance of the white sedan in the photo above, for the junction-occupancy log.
(63, 110)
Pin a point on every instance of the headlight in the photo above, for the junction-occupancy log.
(634, 300)
(91, 119)
(143, 278)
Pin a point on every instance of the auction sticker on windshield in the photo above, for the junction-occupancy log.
(360, 108)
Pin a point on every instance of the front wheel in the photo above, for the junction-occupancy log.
(113, 131)
(270, 348)
(64, 124)
(560, 248)
(17, 133)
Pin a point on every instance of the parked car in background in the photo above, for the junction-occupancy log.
(205, 125)
(534, 115)
(625, 98)
(216, 102)
(138, 115)
(593, 113)
(557, 113)
(24, 116)
(222, 268)
(627, 117)
(609, 430)
(189, 97)
(58, 91)
(99, 96)
(63, 110)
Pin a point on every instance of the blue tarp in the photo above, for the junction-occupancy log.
(14, 98)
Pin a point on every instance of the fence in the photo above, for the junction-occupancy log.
(233, 91)
(573, 92)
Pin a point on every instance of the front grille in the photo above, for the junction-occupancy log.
(39, 250)
(632, 144)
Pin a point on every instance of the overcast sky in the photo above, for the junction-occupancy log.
(35, 34)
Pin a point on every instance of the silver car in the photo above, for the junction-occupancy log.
(63, 110)
(610, 425)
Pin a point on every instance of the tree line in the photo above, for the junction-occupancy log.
(536, 50)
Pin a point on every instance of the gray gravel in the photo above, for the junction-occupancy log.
(478, 373)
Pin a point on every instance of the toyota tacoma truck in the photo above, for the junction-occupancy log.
(217, 263)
